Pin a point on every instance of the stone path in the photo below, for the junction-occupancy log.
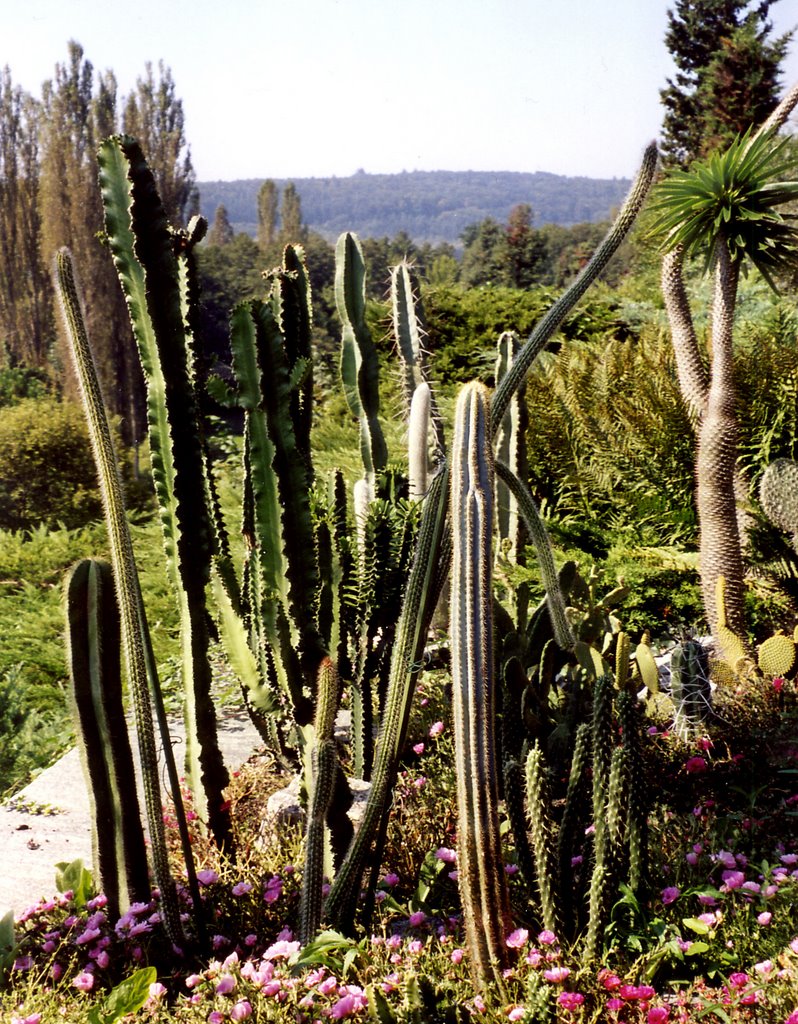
(33, 841)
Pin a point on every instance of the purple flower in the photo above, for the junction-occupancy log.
(83, 981)
(242, 888)
(417, 918)
(547, 938)
(241, 1010)
(733, 879)
(446, 855)
(391, 879)
(764, 918)
(457, 955)
(225, 985)
(658, 1015)
(570, 1001)
(517, 939)
(670, 895)
(207, 877)
(418, 748)
(557, 974)
(273, 889)
(281, 950)
(436, 729)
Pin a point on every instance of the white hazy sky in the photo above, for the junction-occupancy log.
(300, 88)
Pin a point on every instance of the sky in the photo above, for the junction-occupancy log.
(314, 88)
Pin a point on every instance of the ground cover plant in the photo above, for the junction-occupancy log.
(565, 842)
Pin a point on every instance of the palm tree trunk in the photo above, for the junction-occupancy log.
(720, 549)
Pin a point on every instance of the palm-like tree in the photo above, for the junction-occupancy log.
(726, 209)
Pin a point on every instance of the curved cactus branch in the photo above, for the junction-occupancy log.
(555, 316)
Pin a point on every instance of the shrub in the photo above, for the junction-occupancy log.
(46, 469)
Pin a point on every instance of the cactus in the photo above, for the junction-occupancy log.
(778, 494)
(417, 436)
(120, 856)
(430, 566)
(732, 648)
(359, 368)
(538, 804)
(601, 879)
(480, 869)
(776, 655)
(572, 823)
(690, 689)
(155, 269)
(139, 663)
(637, 814)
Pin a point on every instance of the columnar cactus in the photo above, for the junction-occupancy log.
(690, 689)
(778, 494)
(480, 868)
(120, 856)
(140, 667)
(538, 809)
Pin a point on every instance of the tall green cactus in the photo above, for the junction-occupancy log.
(430, 567)
(480, 867)
(778, 494)
(140, 666)
(546, 867)
(120, 856)
(155, 271)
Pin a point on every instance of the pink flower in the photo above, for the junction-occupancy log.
(547, 938)
(738, 979)
(765, 967)
(670, 895)
(570, 1001)
(517, 939)
(557, 974)
(273, 889)
(695, 765)
(415, 946)
(479, 1004)
(436, 729)
(691, 858)
(632, 992)
(778, 683)
(281, 950)
(728, 860)
(418, 748)
(215, 1017)
(608, 979)
(446, 855)
(417, 918)
(207, 877)
(157, 990)
(242, 888)
(733, 879)
(764, 918)
(794, 945)
(83, 981)
(456, 956)
(353, 1002)
(615, 1004)
(658, 1015)
(225, 985)
(241, 1010)
(516, 1013)
(391, 879)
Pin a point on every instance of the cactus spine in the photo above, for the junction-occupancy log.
(120, 856)
(480, 868)
(690, 689)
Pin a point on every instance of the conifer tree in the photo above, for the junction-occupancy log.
(26, 322)
(727, 74)
(221, 232)
(154, 116)
(267, 215)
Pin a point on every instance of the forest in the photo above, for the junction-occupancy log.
(492, 536)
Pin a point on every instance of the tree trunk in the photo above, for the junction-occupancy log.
(720, 549)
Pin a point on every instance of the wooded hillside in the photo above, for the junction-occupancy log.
(430, 206)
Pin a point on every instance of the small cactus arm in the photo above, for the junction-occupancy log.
(481, 875)
(417, 441)
(690, 689)
(135, 635)
(778, 495)
(93, 645)
(359, 364)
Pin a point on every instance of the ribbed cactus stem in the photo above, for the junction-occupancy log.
(690, 689)
(481, 876)
(636, 825)
(778, 494)
(418, 441)
(325, 765)
(538, 804)
(120, 856)
(572, 821)
(127, 584)
(617, 804)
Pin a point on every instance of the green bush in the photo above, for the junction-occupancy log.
(47, 472)
(20, 382)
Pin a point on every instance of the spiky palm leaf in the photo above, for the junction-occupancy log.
(731, 198)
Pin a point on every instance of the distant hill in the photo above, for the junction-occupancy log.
(431, 206)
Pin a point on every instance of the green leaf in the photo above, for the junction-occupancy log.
(696, 948)
(696, 926)
(75, 878)
(129, 995)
